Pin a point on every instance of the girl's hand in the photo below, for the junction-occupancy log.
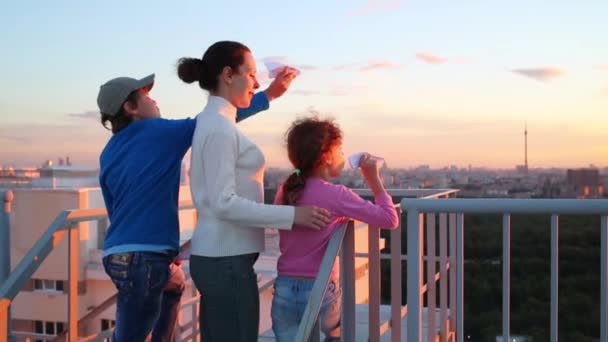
(369, 167)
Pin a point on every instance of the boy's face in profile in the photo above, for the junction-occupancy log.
(145, 108)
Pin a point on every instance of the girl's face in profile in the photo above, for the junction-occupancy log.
(334, 160)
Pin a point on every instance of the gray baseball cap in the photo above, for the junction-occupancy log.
(114, 93)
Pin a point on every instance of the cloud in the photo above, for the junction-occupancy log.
(15, 139)
(332, 90)
(430, 58)
(540, 74)
(345, 66)
(417, 122)
(31, 143)
(307, 67)
(282, 59)
(343, 90)
(304, 92)
(379, 65)
(91, 114)
(602, 67)
(375, 6)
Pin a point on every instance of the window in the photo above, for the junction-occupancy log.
(38, 327)
(59, 285)
(107, 324)
(48, 285)
(47, 328)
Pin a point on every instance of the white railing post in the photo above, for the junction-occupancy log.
(73, 262)
(430, 277)
(414, 275)
(554, 277)
(396, 281)
(347, 259)
(443, 276)
(5, 263)
(453, 270)
(604, 280)
(460, 277)
(506, 276)
(373, 243)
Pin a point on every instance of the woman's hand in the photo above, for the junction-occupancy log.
(280, 84)
(311, 217)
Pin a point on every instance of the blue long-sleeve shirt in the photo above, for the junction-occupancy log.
(139, 178)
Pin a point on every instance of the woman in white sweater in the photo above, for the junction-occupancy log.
(226, 181)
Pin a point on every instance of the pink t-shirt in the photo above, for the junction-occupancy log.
(302, 249)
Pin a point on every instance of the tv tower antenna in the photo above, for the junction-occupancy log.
(526, 146)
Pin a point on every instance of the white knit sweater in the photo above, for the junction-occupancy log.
(227, 186)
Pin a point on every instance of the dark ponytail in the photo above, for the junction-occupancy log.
(189, 69)
(307, 140)
(206, 70)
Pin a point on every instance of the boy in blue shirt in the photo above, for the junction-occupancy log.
(139, 178)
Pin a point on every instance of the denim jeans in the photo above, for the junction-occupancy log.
(150, 288)
(230, 301)
(290, 299)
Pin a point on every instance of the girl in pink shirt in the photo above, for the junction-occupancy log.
(315, 150)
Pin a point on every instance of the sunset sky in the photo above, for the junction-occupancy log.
(419, 82)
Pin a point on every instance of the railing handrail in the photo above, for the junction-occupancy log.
(512, 206)
(45, 244)
(317, 293)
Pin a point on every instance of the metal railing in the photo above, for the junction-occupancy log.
(65, 224)
(454, 209)
(343, 243)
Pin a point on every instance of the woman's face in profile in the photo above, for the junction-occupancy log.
(244, 83)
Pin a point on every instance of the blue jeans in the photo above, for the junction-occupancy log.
(290, 300)
(230, 301)
(150, 288)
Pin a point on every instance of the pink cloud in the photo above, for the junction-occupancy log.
(603, 67)
(28, 144)
(90, 114)
(345, 66)
(304, 92)
(375, 6)
(282, 59)
(344, 90)
(540, 74)
(285, 60)
(307, 67)
(430, 58)
(378, 65)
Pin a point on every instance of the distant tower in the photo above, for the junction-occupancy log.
(526, 146)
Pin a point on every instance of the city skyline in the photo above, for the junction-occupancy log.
(418, 83)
